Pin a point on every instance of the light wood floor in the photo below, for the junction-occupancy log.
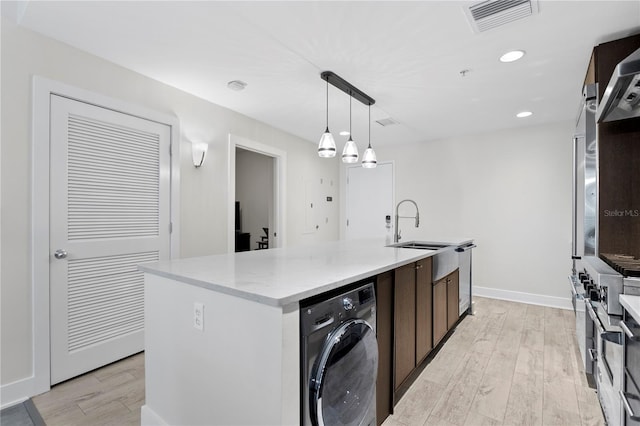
(111, 395)
(510, 364)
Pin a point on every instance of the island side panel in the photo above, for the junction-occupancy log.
(241, 369)
(291, 365)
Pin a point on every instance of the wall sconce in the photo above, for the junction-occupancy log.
(199, 151)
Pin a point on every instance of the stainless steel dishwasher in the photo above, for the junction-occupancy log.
(466, 277)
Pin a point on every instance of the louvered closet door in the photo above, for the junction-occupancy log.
(109, 189)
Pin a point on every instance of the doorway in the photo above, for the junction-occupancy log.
(257, 195)
(254, 200)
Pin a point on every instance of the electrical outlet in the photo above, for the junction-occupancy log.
(198, 316)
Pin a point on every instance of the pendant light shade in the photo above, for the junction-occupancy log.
(369, 160)
(327, 145)
(350, 151)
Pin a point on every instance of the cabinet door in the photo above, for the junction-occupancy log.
(453, 302)
(384, 324)
(405, 322)
(439, 310)
(423, 309)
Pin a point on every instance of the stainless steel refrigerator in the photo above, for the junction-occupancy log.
(585, 179)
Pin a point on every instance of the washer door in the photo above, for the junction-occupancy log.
(343, 381)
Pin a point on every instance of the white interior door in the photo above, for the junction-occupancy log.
(369, 200)
(110, 210)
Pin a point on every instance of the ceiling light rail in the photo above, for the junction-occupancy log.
(348, 88)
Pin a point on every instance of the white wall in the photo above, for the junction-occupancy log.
(510, 190)
(203, 191)
(254, 190)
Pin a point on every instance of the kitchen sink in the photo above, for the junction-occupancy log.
(444, 261)
(421, 245)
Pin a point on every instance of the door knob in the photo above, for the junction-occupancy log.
(60, 254)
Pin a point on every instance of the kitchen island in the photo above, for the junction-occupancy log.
(222, 332)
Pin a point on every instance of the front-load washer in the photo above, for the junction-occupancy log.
(339, 354)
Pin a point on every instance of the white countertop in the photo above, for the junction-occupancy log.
(631, 304)
(282, 276)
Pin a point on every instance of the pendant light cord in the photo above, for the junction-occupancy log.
(369, 125)
(350, 99)
(327, 104)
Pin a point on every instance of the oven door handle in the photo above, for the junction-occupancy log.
(627, 406)
(628, 332)
(592, 313)
(574, 291)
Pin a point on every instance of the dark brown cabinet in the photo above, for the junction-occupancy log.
(413, 315)
(446, 309)
(453, 306)
(404, 322)
(424, 329)
(439, 310)
(618, 159)
(384, 332)
(605, 57)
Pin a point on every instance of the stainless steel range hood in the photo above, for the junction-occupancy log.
(622, 96)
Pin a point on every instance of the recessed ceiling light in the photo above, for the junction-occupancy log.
(524, 114)
(344, 133)
(236, 85)
(514, 55)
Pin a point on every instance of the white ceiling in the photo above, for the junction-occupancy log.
(406, 55)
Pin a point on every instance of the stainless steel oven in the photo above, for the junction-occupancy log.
(630, 394)
(606, 281)
(585, 328)
(608, 366)
(590, 332)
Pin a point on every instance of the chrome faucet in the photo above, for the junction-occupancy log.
(397, 237)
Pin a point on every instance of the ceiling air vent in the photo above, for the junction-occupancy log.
(386, 121)
(490, 14)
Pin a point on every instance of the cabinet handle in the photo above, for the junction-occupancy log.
(627, 406)
(628, 332)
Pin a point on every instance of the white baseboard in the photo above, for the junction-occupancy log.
(148, 417)
(16, 392)
(517, 296)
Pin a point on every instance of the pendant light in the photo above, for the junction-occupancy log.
(369, 160)
(327, 145)
(350, 151)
